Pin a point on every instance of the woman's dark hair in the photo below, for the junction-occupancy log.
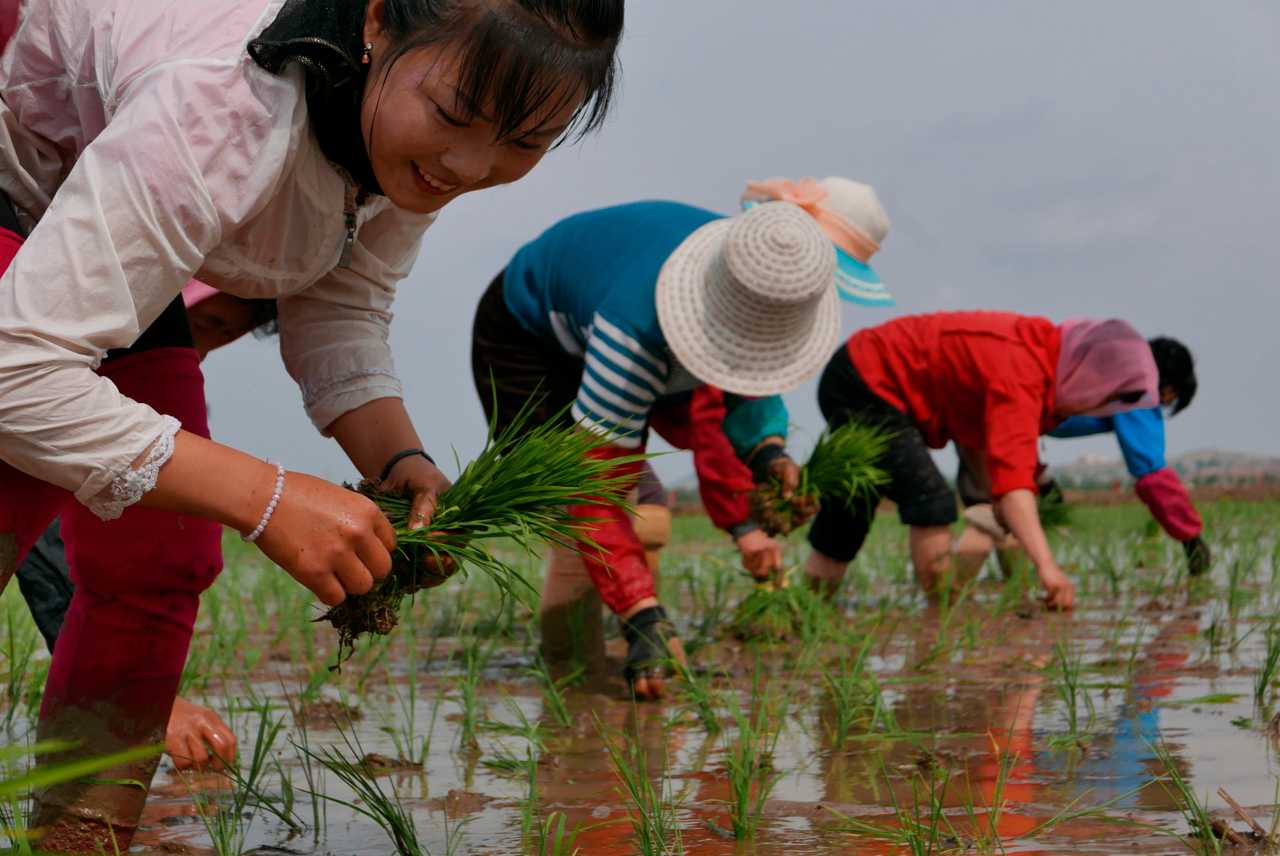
(266, 316)
(519, 58)
(1177, 369)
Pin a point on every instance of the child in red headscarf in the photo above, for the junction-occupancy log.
(990, 381)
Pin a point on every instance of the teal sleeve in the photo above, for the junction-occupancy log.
(747, 421)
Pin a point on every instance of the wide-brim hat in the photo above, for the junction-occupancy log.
(852, 216)
(749, 304)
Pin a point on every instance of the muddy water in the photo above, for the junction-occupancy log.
(972, 715)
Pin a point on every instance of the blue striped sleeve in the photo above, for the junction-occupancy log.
(621, 379)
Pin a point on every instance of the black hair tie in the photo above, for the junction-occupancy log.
(400, 456)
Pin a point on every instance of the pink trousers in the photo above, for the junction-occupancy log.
(138, 580)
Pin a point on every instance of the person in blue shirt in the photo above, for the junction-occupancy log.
(1141, 435)
(611, 315)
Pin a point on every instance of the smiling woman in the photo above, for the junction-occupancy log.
(293, 150)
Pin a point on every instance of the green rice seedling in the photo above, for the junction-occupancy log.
(313, 777)
(475, 657)
(708, 581)
(1068, 663)
(17, 652)
(852, 695)
(698, 699)
(227, 822)
(16, 785)
(519, 489)
(1268, 669)
(1275, 563)
(552, 838)
(749, 763)
(776, 613)
(842, 470)
(383, 807)
(653, 810)
(944, 644)
(922, 828)
(1104, 563)
(553, 701)
(1194, 811)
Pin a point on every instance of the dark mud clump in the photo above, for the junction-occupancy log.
(327, 714)
(375, 764)
(775, 515)
(414, 568)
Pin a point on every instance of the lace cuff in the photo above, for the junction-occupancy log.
(131, 485)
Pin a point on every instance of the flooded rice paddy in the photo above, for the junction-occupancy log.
(883, 726)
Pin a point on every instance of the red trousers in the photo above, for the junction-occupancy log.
(138, 579)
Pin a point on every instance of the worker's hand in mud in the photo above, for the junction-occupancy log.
(1060, 592)
(421, 478)
(197, 738)
(332, 540)
(761, 555)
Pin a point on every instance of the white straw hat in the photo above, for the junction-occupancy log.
(851, 214)
(749, 304)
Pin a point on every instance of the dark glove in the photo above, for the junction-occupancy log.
(1199, 559)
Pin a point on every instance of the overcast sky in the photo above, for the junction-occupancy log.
(1094, 158)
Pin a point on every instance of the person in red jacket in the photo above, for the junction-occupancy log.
(992, 382)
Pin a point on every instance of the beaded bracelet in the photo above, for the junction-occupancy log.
(271, 506)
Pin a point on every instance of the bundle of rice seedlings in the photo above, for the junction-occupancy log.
(519, 488)
(777, 612)
(842, 471)
(1053, 508)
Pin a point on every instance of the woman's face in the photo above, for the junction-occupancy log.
(424, 153)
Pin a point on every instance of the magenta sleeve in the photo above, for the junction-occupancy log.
(1170, 503)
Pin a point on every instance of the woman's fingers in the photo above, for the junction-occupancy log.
(385, 532)
(422, 509)
(354, 576)
(376, 558)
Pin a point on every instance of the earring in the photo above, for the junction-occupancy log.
(368, 53)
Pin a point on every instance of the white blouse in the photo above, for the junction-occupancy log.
(146, 148)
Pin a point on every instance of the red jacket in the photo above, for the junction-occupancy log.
(723, 480)
(982, 379)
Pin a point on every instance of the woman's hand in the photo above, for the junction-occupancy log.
(1017, 510)
(332, 540)
(761, 555)
(1060, 592)
(787, 473)
(421, 478)
(197, 738)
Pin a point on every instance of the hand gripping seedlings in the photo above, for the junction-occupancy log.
(520, 488)
(842, 470)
